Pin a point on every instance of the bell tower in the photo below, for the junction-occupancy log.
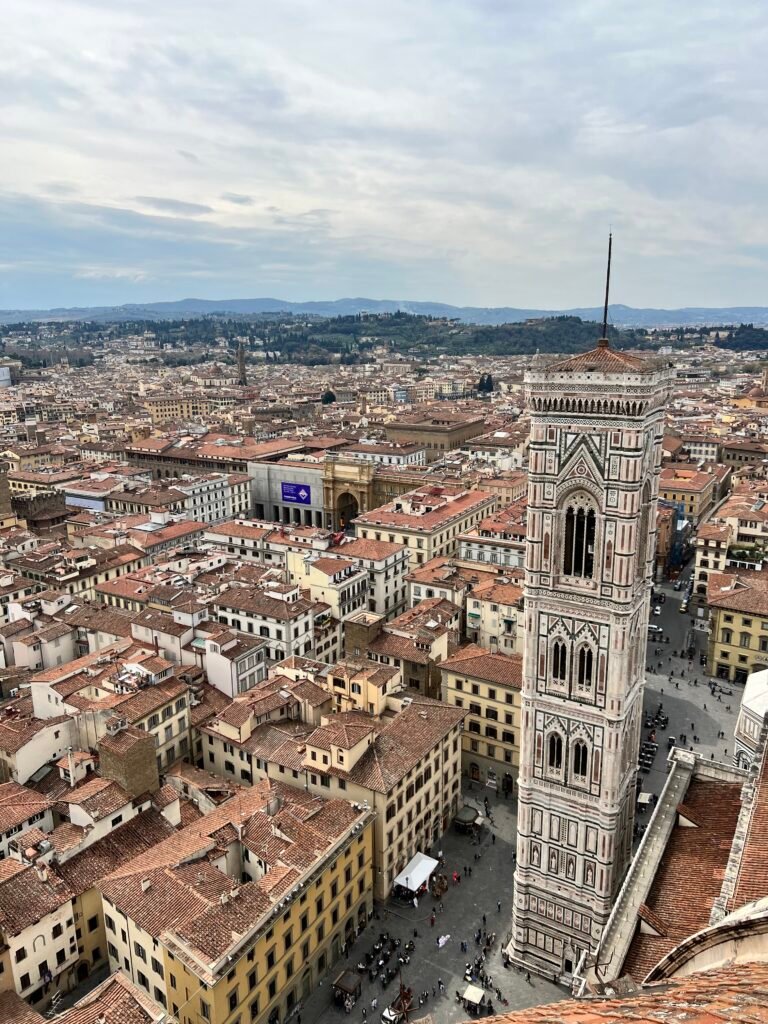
(595, 454)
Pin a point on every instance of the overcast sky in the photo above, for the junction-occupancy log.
(467, 151)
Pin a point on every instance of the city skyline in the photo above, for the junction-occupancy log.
(466, 154)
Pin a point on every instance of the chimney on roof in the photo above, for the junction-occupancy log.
(71, 767)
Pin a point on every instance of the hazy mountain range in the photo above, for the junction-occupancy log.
(620, 316)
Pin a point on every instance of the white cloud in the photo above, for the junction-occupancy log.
(474, 151)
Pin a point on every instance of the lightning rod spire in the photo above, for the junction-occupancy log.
(603, 342)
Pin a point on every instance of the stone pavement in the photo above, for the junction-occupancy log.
(692, 710)
(462, 914)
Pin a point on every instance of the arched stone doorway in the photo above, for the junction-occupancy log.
(347, 508)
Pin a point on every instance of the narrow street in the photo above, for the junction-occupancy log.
(682, 687)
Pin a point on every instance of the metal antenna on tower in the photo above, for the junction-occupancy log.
(603, 342)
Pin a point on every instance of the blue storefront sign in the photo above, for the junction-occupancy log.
(298, 494)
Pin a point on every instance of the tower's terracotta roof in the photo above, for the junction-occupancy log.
(603, 359)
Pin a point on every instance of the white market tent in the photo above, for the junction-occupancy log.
(416, 872)
(474, 994)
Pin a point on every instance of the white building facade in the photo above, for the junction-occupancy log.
(595, 456)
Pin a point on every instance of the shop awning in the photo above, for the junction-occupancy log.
(416, 872)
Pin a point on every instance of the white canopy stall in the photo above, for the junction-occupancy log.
(473, 994)
(416, 872)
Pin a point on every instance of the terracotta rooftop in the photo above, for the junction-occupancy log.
(737, 994)
(477, 662)
(371, 550)
(602, 359)
(742, 591)
(18, 804)
(691, 873)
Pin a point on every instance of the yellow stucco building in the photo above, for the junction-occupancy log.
(487, 686)
(236, 917)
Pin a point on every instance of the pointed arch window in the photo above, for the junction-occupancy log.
(580, 759)
(559, 662)
(555, 752)
(585, 668)
(579, 545)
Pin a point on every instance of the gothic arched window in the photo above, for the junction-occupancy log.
(585, 668)
(555, 751)
(559, 661)
(579, 544)
(580, 757)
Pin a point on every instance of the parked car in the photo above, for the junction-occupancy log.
(657, 610)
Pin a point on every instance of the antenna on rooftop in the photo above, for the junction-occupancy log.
(603, 342)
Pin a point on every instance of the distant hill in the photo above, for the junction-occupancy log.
(620, 316)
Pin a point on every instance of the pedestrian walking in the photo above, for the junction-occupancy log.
(498, 905)
(493, 838)
(465, 870)
(432, 920)
(484, 920)
(470, 872)
(374, 1003)
(528, 977)
(441, 906)
(365, 1014)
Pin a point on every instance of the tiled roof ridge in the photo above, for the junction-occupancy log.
(646, 914)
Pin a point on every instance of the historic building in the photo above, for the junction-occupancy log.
(595, 455)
